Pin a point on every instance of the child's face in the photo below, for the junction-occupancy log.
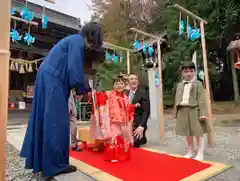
(188, 74)
(119, 86)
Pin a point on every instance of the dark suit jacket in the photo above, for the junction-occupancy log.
(142, 113)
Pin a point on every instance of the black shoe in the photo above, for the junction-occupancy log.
(76, 149)
(138, 143)
(69, 169)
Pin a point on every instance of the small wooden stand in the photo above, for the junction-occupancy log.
(4, 80)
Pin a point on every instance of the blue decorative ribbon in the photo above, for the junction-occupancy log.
(195, 34)
(121, 59)
(26, 15)
(12, 11)
(144, 48)
(29, 39)
(150, 51)
(114, 58)
(136, 44)
(44, 22)
(107, 56)
(156, 79)
(15, 36)
(182, 27)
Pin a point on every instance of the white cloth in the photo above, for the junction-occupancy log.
(72, 108)
(186, 93)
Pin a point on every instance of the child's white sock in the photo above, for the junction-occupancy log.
(200, 149)
(190, 153)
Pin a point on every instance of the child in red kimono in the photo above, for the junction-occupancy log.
(112, 121)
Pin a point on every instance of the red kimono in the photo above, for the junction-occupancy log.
(112, 123)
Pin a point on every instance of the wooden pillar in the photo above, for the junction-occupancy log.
(128, 63)
(160, 88)
(234, 78)
(208, 97)
(4, 80)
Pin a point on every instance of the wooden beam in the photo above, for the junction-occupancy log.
(160, 88)
(128, 63)
(189, 13)
(24, 21)
(208, 97)
(51, 1)
(113, 47)
(144, 33)
(4, 79)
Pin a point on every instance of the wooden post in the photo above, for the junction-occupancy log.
(234, 78)
(205, 65)
(128, 63)
(4, 80)
(160, 88)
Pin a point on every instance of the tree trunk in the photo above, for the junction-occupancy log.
(234, 79)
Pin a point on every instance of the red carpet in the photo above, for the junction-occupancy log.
(144, 165)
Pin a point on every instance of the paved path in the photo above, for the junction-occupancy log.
(227, 146)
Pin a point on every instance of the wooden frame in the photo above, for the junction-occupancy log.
(205, 64)
(4, 80)
(108, 45)
(160, 87)
(51, 1)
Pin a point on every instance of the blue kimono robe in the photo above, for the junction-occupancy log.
(46, 143)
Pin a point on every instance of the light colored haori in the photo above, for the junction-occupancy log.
(72, 107)
(112, 118)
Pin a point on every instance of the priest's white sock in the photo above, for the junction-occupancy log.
(190, 153)
(200, 149)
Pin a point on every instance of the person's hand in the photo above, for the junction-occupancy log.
(174, 118)
(137, 105)
(138, 132)
(203, 118)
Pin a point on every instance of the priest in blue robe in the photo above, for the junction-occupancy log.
(46, 143)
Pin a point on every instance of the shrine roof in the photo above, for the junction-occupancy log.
(53, 16)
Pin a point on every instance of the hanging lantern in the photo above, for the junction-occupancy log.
(21, 70)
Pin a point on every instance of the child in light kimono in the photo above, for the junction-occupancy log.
(114, 114)
(190, 111)
(73, 123)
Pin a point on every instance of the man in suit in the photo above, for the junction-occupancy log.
(142, 111)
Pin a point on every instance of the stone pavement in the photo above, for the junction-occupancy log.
(227, 145)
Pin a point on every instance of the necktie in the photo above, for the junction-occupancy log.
(131, 95)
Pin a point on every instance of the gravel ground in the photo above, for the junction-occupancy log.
(15, 168)
(226, 149)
